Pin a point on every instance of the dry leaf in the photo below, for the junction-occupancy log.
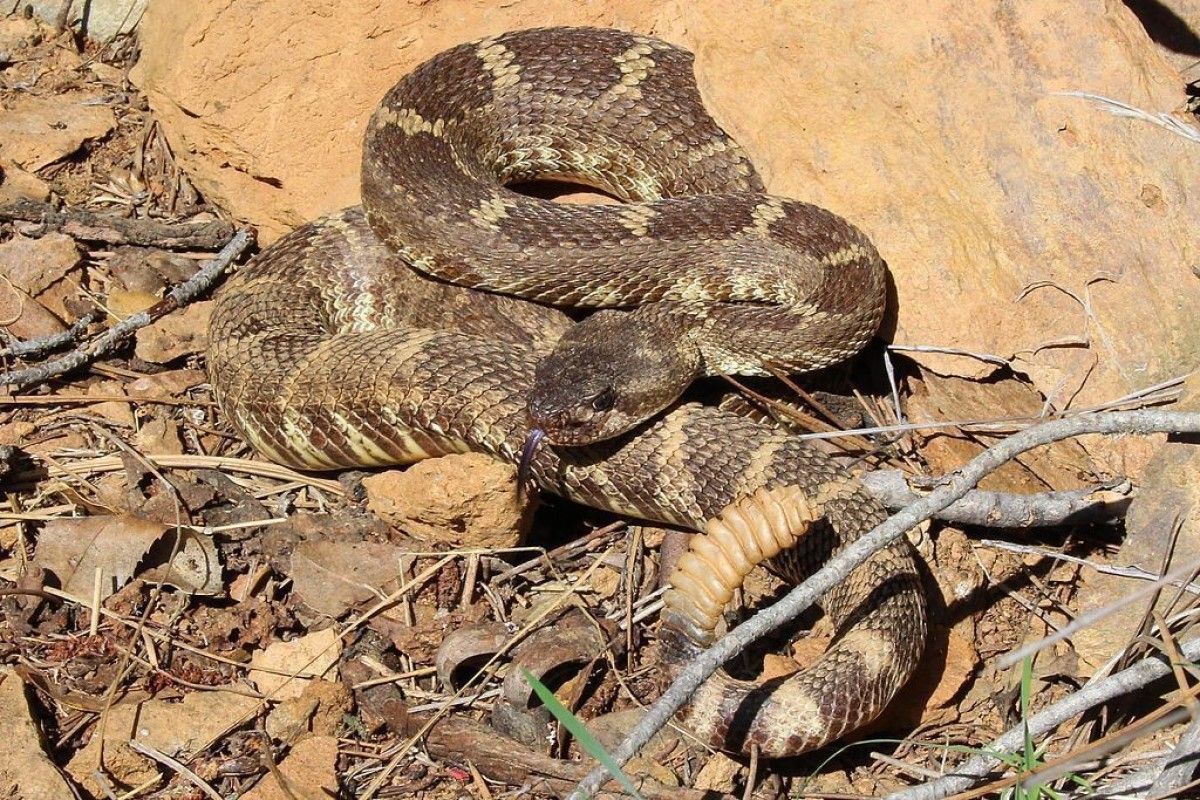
(127, 302)
(334, 576)
(320, 710)
(182, 333)
(172, 383)
(194, 567)
(73, 549)
(34, 264)
(23, 317)
(312, 656)
(116, 411)
(148, 270)
(26, 773)
(159, 437)
(20, 185)
(719, 774)
(468, 500)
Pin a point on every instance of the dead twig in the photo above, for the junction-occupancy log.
(1121, 683)
(1132, 572)
(92, 227)
(458, 739)
(1103, 503)
(175, 765)
(838, 569)
(179, 296)
(44, 344)
(1180, 764)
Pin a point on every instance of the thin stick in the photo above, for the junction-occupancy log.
(44, 344)
(106, 228)
(839, 568)
(178, 297)
(94, 626)
(1123, 682)
(1136, 573)
(262, 469)
(177, 766)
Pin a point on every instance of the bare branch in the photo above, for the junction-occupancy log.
(179, 296)
(803, 596)
(44, 344)
(1007, 510)
(1180, 765)
(1101, 691)
(92, 227)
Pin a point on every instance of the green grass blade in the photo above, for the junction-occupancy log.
(573, 724)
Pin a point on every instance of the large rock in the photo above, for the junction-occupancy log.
(102, 20)
(1016, 221)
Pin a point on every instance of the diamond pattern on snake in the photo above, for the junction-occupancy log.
(431, 320)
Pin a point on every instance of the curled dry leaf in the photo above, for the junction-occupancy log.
(74, 549)
(193, 565)
(466, 649)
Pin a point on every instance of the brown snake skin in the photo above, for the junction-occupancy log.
(327, 351)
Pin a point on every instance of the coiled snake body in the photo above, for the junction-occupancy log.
(329, 350)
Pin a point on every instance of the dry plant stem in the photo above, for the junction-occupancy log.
(181, 295)
(1133, 573)
(1007, 509)
(86, 225)
(175, 765)
(1180, 765)
(1094, 615)
(1120, 683)
(44, 344)
(956, 485)
(264, 469)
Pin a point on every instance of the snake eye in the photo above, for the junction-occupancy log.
(605, 400)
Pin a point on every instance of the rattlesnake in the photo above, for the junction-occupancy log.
(328, 351)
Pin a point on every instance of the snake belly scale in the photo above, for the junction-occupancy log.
(387, 334)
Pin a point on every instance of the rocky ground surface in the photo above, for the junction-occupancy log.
(180, 619)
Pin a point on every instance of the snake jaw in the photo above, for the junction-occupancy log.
(525, 464)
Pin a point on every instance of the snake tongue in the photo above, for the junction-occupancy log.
(525, 465)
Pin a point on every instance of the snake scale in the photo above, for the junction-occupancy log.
(387, 334)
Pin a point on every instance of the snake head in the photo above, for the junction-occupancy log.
(608, 374)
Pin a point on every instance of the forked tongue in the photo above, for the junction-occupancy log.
(525, 465)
